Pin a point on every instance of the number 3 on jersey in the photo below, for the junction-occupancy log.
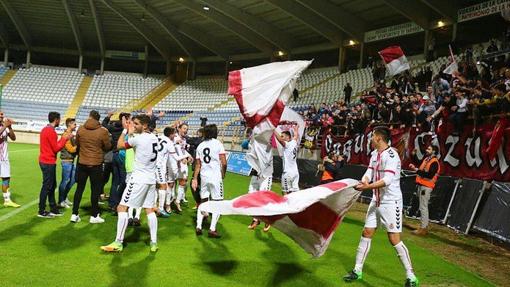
(207, 155)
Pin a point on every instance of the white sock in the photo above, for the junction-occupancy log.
(138, 212)
(122, 223)
(200, 218)
(161, 200)
(362, 252)
(152, 220)
(169, 196)
(130, 212)
(180, 193)
(405, 258)
(7, 196)
(214, 221)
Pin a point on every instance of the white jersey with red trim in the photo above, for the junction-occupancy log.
(290, 150)
(4, 142)
(146, 155)
(385, 165)
(208, 152)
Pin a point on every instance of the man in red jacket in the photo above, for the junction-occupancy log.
(49, 146)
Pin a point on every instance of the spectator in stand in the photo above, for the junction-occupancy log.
(459, 111)
(440, 86)
(93, 141)
(425, 112)
(49, 146)
(67, 156)
(347, 93)
(331, 168)
(426, 178)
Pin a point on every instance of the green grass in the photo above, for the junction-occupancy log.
(42, 252)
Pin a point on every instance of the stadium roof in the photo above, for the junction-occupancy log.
(205, 29)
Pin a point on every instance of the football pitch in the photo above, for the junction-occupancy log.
(55, 252)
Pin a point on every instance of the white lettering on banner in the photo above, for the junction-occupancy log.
(470, 158)
(482, 9)
(418, 145)
(347, 149)
(337, 148)
(392, 32)
(329, 143)
(369, 143)
(358, 143)
(451, 141)
(503, 165)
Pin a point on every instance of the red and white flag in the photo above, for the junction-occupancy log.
(453, 67)
(395, 60)
(261, 93)
(309, 217)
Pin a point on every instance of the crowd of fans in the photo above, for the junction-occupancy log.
(476, 92)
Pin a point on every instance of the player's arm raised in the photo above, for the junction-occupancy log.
(12, 135)
(128, 129)
(279, 138)
(296, 133)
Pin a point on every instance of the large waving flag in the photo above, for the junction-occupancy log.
(395, 60)
(309, 217)
(261, 93)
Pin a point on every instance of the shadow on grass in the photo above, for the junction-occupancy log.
(134, 274)
(218, 259)
(67, 237)
(19, 230)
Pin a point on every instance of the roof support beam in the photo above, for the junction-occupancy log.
(74, 26)
(99, 28)
(413, 10)
(302, 14)
(175, 32)
(143, 30)
(351, 25)
(18, 23)
(447, 9)
(4, 36)
(248, 35)
(267, 31)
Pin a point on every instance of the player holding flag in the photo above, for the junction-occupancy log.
(141, 187)
(211, 164)
(383, 177)
(290, 176)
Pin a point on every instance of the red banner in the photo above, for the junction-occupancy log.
(460, 155)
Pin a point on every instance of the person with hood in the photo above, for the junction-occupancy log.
(93, 140)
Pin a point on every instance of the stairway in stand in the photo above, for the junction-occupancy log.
(73, 108)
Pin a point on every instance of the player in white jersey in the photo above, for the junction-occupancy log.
(383, 177)
(290, 175)
(182, 173)
(211, 164)
(6, 133)
(141, 187)
(162, 172)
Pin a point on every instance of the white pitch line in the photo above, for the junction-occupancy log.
(19, 150)
(18, 210)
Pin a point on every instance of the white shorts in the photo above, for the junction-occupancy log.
(139, 195)
(290, 183)
(171, 171)
(161, 174)
(211, 190)
(182, 172)
(5, 169)
(260, 183)
(388, 214)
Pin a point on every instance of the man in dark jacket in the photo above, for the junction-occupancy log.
(333, 165)
(193, 144)
(118, 162)
(93, 141)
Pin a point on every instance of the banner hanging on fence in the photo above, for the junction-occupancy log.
(462, 155)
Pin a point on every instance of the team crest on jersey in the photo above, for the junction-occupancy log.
(392, 226)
